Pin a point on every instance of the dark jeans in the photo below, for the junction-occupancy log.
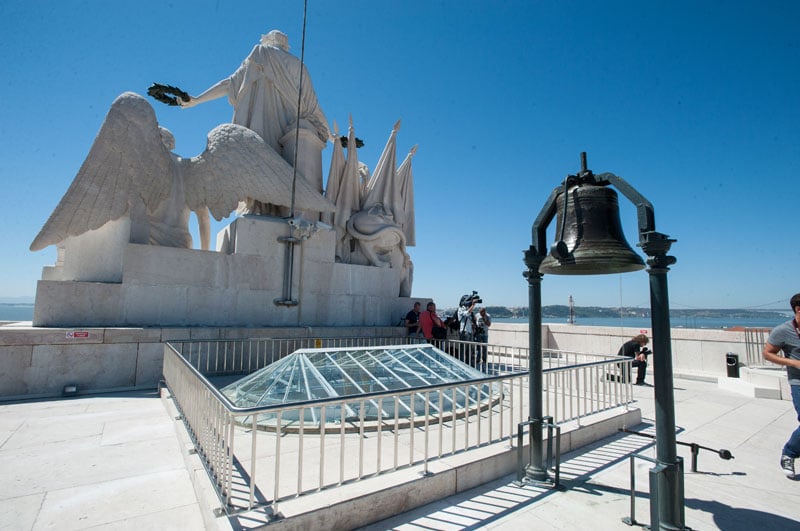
(792, 446)
(641, 369)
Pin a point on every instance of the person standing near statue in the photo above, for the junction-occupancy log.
(786, 338)
(264, 93)
(466, 319)
(412, 320)
(466, 330)
(428, 320)
(482, 323)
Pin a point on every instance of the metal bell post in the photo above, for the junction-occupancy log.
(589, 241)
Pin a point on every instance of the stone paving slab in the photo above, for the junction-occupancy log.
(107, 461)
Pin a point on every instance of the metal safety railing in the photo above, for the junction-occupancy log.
(494, 359)
(287, 456)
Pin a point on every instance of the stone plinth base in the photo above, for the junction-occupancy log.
(238, 285)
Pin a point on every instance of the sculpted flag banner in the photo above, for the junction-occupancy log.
(348, 198)
(405, 176)
(334, 173)
(383, 187)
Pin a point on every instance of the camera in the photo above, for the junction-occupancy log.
(469, 300)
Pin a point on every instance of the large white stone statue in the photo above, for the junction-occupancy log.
(264, 94)
(125, 255)
(130, 172)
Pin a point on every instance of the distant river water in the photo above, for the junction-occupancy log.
(24, 312)
(16, 312)
(675, 322)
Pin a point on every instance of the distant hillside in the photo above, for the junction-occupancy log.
(16, 300)
(596, 311)
(562, 311)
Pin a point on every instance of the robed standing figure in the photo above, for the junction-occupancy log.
(264, 92)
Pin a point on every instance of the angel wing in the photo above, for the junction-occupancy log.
(238, 165)
(127, 162)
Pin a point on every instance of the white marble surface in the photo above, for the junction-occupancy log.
(105, 462)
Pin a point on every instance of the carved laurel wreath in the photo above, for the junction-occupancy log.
(166, 93)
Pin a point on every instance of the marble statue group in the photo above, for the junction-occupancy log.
(266, 165)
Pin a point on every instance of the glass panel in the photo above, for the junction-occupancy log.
(309, 374)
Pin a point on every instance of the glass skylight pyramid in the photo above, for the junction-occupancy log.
(311, 374)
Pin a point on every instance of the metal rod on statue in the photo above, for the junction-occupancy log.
(290, 241)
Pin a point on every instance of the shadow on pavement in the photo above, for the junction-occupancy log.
(727, 517)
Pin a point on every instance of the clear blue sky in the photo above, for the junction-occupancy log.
(693, 103)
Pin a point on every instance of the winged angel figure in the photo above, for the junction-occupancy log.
(131, 171)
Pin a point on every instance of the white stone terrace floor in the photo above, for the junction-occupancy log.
(115, 461)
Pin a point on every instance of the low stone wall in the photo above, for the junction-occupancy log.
(695, 352)
(39, 362)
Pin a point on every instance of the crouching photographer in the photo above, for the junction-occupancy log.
(636, 348)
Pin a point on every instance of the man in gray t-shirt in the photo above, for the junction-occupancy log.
(786, 338)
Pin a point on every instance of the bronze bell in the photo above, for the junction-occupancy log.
(589, 238)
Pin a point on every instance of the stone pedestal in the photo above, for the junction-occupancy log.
(233, 286)
(94, 256)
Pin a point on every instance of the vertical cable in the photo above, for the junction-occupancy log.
(299, 103)
(290, 241)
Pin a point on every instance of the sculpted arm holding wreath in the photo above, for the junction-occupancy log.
(217, 91)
